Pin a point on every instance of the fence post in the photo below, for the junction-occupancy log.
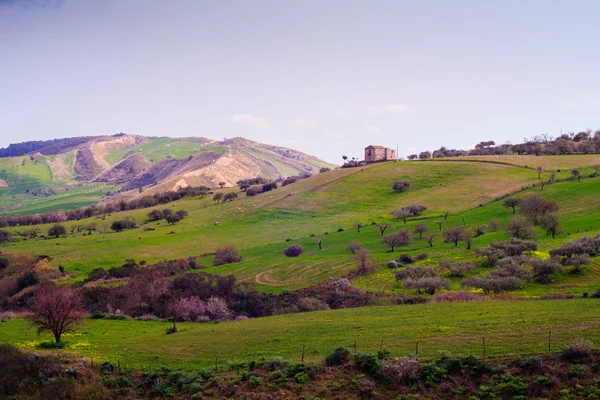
(216, 363)
(417, 349)
(303, 348)
(483, 338)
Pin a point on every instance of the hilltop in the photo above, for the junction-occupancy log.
(64, 173)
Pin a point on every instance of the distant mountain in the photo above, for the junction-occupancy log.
(34, 171)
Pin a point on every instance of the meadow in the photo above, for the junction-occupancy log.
(326, 206)
(509, 328)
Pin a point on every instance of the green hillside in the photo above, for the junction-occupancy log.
(325, 205)
(158, 149)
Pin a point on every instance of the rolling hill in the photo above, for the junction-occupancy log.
(66, 173)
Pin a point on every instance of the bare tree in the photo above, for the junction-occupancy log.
(539, 171)
(56, 310)
(382, 227)
(319, 241)
(439, 224)
(421, 228)
(358, 225)
(494, 225)
(512, 203)
(429, 239)
(535, 207)
(401, 214)
(551, 223)
(445, 214)
(576, 174)
(354, 246)
(394, 239)
(454, 235)
(520, 228)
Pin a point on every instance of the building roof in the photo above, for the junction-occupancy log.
(375, 147)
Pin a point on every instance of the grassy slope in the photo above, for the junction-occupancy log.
(514, 327)
(259, 226)
(546, 162)
(157, 149)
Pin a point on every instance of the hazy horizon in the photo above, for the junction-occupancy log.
(326, 78)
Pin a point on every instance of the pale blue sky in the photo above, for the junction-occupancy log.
(326, 77)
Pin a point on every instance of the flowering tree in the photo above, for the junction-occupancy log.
(56, 310)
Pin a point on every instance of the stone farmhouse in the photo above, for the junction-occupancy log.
(379, 153)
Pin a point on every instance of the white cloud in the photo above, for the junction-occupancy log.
(341, 113)
(388, 109)
(302, 121)
(372, 128)
(249, 120)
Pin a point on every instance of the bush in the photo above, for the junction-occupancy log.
(227, 254)
(401, 185)
(492, 284)
(324, 169)
(401, 372)
(293, 251)
(312, 304)
(429, 285)
(5, 236)
(98, 315)
(119, 226)
(4, 262)
(339, 356)
(117, 317)
(580, 349)
(406, 259)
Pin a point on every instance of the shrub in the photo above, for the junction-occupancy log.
(401, 372)
(294, 250)
(5, 236)
(119, 226)
(339, 356)
(580, 349)
(455, 297)
(367, 362)
(544, 269)
(4, 262)
(324, 169)
(415, 272)
(227, 254)
(98, 315)
(406, 259)
(456, 269)
(253, 191)
(312, 304)
(155, 215)
(401, 185)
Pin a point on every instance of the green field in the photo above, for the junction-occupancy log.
(324, 204)
(514, 327)
(158, 149)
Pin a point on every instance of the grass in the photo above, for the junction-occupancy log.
(566, 161)
(158, 149)
(321, 205)
(513, 327)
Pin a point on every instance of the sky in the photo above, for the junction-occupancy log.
(327, 77)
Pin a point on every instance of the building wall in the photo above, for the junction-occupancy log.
(379, 154)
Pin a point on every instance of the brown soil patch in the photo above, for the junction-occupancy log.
(3, 183)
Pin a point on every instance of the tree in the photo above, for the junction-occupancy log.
(439, 224)
(445, 215)
(90, 227)
(401, 185)
(494, 225)
(221, 184)
(551, 223)
(535, 207)
(364, 261)
(5, 236)
(454, 235)
(155, 215)
(479, 229)
(382, 227)
(456, 269)
(354, 246)
(539, 171)
(576, 174)
(428, 285)
(577, 260)
(358, 225)
(57, 230)
(544, 269)
(319, 241)
(415, 272)
(56, 310)
(520, 228)
(293, 251)
(421, 228)
(227, 254)
(182, 214)
(394, 239)
(512, 203)
(429, 239)
(230, 197)
(173, 219)
(218, 197)
(401, 214)
(492, 284)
